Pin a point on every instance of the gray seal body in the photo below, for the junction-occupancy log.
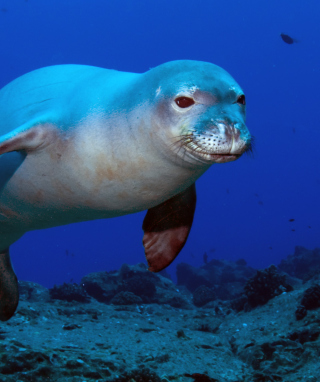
(81, 143)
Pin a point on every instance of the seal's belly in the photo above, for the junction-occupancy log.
(46, 191)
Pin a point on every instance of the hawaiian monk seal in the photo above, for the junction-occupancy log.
(80, 143)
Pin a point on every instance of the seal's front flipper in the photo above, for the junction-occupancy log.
(9, 292)
(166, 228)
(27, 137)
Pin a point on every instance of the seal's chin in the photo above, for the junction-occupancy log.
(223, 158)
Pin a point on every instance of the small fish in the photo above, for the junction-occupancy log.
(291, 220)
(287, 39)
(257, 195)
(309, 226)
(270, 247)
(260, 202)
(293, 230)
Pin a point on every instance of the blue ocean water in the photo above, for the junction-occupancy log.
(243, 207)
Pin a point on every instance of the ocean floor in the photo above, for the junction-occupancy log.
(50, 339)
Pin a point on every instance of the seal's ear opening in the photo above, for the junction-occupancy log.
(166, 229)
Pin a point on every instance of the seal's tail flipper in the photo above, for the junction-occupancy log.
(9, 292)
(166, 228)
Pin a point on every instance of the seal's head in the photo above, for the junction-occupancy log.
(199, 112)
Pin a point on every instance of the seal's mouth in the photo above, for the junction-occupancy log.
(213, 148)
(197, 151)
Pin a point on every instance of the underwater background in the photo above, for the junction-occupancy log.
(257, 208)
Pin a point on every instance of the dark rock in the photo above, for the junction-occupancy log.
(311, 297)
(73, 364)
(102, 286)
(69, 292)
(33, 292)
(136, 279)
(167, 293)
(301, 312)
(202, 295)
(310, 334)
(92, 374)
(238, 304)
(271, 353)
(181, 334)
(226, 277)
(141, 375)
(28, 313)
(241, 262)
(162, 358)
(197, 377)
(71, 326)
(126, 298)
(44, 372)
(303, 264)
(206, 328)
(141, 285)
(266, 377)
(146, 330)
(174, 300)
(265, 285)
(23, 362)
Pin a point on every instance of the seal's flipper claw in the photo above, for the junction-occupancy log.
(166, 228)
(9, 291)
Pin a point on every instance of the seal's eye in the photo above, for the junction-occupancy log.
(241, 99)
(184, 102)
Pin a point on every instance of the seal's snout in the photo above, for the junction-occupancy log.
(232, 133)
(221, 142)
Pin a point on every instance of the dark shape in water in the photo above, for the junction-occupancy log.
(291, 220)
(287, 39)
(293, 230)
(205, 258)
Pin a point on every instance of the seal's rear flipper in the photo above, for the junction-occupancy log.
(166, 228)
(9, 292)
